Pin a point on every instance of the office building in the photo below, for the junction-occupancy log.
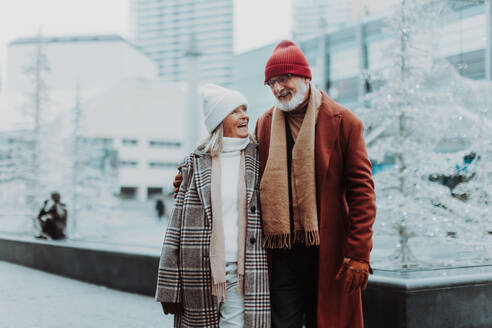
(144, 121)
(124, 106)
(310, 18)
(358, 48)
(167, 29)
(92, 61)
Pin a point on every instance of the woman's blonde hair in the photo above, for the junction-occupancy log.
(212, 145)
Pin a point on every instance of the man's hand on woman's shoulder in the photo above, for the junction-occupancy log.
(178, 179)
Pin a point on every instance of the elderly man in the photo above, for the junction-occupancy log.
(317, 199)
(313, 158)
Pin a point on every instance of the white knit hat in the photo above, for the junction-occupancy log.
(218, 102)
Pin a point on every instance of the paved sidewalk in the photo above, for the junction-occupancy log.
(30, 299)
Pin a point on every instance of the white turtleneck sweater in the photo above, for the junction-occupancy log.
(229, 163)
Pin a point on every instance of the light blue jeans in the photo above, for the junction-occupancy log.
(232, 309)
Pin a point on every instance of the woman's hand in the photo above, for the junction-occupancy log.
(172, 308)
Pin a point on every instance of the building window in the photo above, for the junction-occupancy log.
(128, 192)
(344, 63)
(163, 144)
(163, 165)
(154, 192)
(128, 163)
(100, 141)
(129, 142)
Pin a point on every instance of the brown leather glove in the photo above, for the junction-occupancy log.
(355, 274)
(172, 308)
(178, 179)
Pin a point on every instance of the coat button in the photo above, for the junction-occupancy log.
(253, 209)
(252, 240)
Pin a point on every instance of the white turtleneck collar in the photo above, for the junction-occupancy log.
(234, 144)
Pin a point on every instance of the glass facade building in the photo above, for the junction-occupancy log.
(166, 29)
(339, 61)
(310, 17)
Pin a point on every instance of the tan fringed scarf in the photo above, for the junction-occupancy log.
(217, 244)
(274, 188)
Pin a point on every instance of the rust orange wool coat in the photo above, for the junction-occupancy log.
(346, 205)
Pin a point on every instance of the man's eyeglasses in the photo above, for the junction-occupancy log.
(280, 79)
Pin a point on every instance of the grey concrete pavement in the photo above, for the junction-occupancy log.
(30, 299)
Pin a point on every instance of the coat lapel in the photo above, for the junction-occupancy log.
(203, 178)
(328, 121)
(251, 169)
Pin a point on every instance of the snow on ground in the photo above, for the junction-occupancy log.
(30, 298)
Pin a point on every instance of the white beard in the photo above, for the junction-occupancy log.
(296, 100)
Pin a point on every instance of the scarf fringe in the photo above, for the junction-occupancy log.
(219, 290)
(277, 241)
(310, 238)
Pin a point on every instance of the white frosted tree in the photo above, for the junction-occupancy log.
(15, 168)
(94, 171)
(422, 101)
(34, 111)
(53, 153)
(21, 160)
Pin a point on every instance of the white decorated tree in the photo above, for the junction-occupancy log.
(421, 102)
(22, 150)
(93, 170)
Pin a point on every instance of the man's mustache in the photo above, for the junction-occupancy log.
(282, 93)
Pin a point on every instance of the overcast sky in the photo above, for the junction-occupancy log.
(20, 18)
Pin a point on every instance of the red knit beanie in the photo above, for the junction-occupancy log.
(287, 58)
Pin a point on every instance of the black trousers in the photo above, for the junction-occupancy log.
(50, 228)
(294, 287)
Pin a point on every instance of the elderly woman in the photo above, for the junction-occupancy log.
(213, 270)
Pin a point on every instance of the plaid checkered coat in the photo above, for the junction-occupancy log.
(184, 269)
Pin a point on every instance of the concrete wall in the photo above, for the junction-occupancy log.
(124, 270)
(453, 297)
